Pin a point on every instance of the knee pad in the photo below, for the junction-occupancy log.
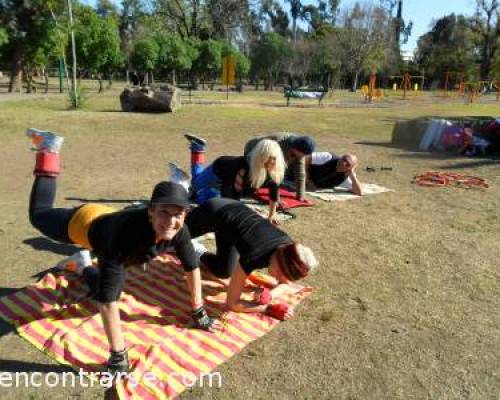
(47, 164)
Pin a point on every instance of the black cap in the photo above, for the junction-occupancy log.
(170, 193)
(304, 144)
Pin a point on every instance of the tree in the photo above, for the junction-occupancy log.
(185, 16)
(174, 54)
(486, 24)
(4, 37)
(334, 6)
(106, 8)
(447, 48)
(242, 67)
(269, 56)
(145, 56)
(363, 40)
(326, 56)
(23, 21)
(97, 43)
(227, 16)
(49, 51)
(296, 13)
(209, 60)
(317, 16)
(278, 17)
(401, 29)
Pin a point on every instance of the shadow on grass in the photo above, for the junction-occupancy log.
(473, 164)
(6, 328)
(115, 201)
(379, 144)
(14, 366)
(42, 243)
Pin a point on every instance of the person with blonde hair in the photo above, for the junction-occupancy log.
(294, 148)
(237, 176)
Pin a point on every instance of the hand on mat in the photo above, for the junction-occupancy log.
(279, 311)
(239, 181)
(273, 220)
(263, 296)
(203, 321)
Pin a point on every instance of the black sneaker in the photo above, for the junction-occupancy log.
(117, 362)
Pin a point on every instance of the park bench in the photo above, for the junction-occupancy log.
(305, 93)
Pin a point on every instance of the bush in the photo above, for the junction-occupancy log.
(77, 99)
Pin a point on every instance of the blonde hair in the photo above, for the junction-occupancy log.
(259, 156)
(307, 256)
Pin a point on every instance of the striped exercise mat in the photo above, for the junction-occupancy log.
(166, 353)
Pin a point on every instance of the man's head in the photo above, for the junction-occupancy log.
(300, 146)
(292, 262)
(167, 209)
(347, 163)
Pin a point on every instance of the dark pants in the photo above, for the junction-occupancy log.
(105, 283)
(200, 221)
(52, 222)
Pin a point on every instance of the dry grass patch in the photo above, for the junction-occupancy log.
(406, 300)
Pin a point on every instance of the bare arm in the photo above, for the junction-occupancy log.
(273, 205)
(110, 313)
(356, 184)
(233, 302)
(193, 281)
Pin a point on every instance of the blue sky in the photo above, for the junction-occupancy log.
(421, 12)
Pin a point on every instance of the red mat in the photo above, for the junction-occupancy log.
(287, 199)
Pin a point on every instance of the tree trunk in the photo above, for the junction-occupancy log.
(294, 27)
(29, 81)
(110, 80)
(173, 77)
(355, 82)
(46, 76)
(194, 19)
(99, 78)
(16, 73)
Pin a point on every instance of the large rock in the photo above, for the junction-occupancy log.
(165, 99)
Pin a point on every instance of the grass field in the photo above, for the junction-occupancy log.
(406, 301)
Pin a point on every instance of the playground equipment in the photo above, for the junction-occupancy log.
(406, 83)
(469, 90)
(370, 91)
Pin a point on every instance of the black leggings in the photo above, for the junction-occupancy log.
(53, 222)
(201, 221)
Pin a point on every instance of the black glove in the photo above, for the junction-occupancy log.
(201, 319)
(117, 362)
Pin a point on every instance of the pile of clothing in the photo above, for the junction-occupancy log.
(469, 138)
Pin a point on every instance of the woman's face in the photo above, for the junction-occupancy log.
(270, 164)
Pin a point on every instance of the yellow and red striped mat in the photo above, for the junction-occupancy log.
(166, 353)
